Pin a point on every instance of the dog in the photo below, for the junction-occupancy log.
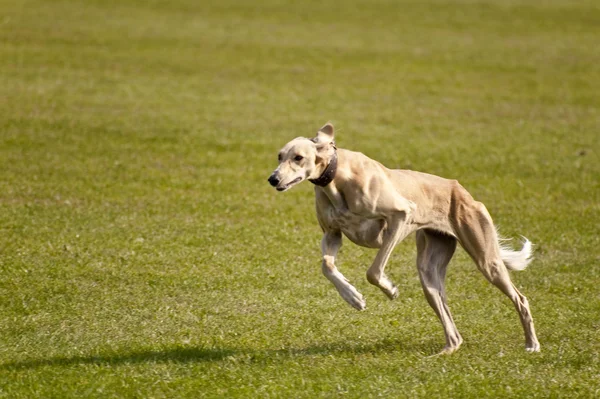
(377, 207)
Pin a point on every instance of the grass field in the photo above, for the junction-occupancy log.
(143, 254)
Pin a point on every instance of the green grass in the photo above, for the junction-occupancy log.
(143, 254)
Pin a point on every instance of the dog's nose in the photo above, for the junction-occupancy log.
(273, 180)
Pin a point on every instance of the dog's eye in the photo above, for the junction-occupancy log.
(298, 158)
(279, 157)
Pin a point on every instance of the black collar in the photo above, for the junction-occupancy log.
(328, 174)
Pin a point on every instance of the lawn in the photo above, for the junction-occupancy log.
(144, 255)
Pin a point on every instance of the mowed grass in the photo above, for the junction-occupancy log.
(143, 254)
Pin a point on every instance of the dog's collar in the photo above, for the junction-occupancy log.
(328, 174)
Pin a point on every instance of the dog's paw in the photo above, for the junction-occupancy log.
(358, 303)
(533, 347)
(448, 350)
(354, 298)
(392, 293)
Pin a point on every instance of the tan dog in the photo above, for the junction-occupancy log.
(377, 207)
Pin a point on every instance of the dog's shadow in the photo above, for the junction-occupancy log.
(179, 354)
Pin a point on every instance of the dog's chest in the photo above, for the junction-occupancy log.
(359, 229)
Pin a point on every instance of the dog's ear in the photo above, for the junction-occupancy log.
(325, 143)
(325, 134)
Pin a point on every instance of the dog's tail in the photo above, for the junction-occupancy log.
(516, 260)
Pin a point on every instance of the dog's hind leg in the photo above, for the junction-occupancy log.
(434, 251)
(330, 244)
(477, 235)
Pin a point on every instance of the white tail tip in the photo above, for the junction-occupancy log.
(517, 260)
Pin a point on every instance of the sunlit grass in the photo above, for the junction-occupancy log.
(143, 254)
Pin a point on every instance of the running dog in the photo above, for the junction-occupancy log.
(377, 207)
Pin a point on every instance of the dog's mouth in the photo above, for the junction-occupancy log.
(283, 187)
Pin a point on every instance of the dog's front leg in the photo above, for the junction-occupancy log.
(330, 244)
(398, 228)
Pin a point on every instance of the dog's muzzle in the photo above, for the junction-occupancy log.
(275, 181)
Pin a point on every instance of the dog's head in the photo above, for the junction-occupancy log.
(303, 158)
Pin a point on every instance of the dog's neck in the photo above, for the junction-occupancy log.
(328, 174)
